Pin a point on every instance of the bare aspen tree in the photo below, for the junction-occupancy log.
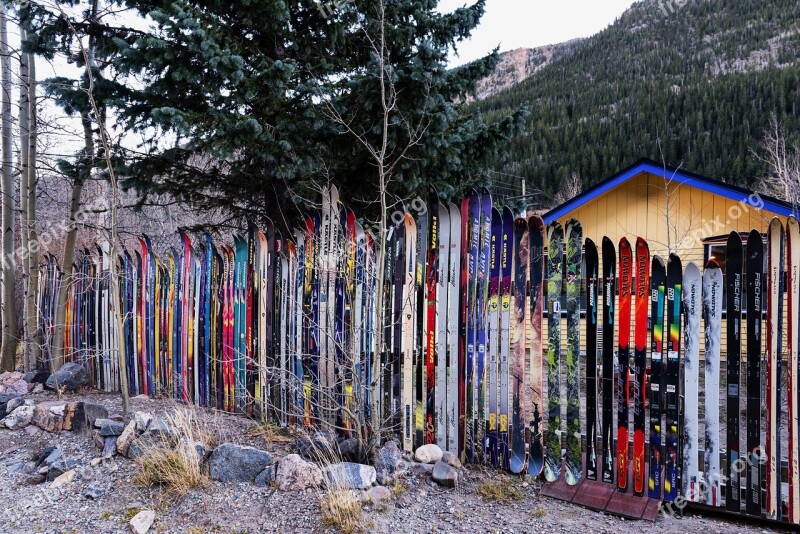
(27, 202)
(385, 159)
(783, 180)
(9, 314)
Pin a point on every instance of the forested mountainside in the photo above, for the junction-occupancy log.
(695, 85)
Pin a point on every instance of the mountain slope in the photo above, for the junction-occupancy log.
(696, 87)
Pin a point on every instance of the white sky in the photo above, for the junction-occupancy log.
(529, 23)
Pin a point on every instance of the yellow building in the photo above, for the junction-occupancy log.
(673, 210)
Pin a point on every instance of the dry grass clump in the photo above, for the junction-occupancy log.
(500, 491)
(171, 461)
(339, 505)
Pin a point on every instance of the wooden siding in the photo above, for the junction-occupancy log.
(670, 216)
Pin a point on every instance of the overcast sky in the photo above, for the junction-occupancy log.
(528, 23)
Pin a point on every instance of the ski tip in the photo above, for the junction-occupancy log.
(624, 244)
(536, 223)
(712, 264)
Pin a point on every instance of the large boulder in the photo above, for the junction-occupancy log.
(237, 463)
(294, 473)
(83, 415)
(19, 418)
(445, 475)
(36, 377)
(10, 377)
(20, 387)
(428, 454)
(5, 398)
(71, 377)
(348, 475)
(386, 462)
(49, 416)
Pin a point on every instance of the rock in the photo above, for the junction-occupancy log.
(322, 445)
(378, 493)
(9, 402)
(63, 479)
(49, 416)
(143, 420)
(386, 461)
(141, 522)
(37, 388)
(294, 473)
(35, 377)
(99, 440)
(237, 463)
(428, 454)
(35, 478)
(348, 449)
(266, 477)
(19, 418)
(58, 468)
(109, 447)
(137, 447)
(93, 491)
(9, 377)
(421, 468)
(109, 427)
(53, 455)
(20, 387)
(95, 462)
(451, 459)
(93, 412)
(124, 440)
(348, 475)
(32, 430)
(445, 475)
(159, 427)
(71, 377)
(70, 413)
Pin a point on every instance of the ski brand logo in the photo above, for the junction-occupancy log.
(757, 292)
(671, 294)
(737, 292)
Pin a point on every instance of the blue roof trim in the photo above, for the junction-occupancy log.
(706, 184)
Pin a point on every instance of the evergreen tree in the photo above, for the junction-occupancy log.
(232, 98)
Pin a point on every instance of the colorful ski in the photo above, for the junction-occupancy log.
(454, 283)
(755, 308)
(493, 336)
(640, 363)
(609, 294)
(573, 465)
(733, 266)
(473, 233)
(592, 277)
(518, 386)
(536, 231)
(624, 355)
(712, 317)
(421, 255)
(431, 280)
(555, 274)
(409, 312)
(506, 257)
(658, 280)
(481, 305)
(672, 397)
(692, 305)
(443, 262)
(792, 309)
(775, 260)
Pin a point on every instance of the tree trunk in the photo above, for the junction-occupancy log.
(30, 210)
(24, 226)
(9, 319)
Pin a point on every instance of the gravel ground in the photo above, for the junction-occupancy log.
(418, 507)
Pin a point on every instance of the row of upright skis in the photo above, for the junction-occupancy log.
(284, 327)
